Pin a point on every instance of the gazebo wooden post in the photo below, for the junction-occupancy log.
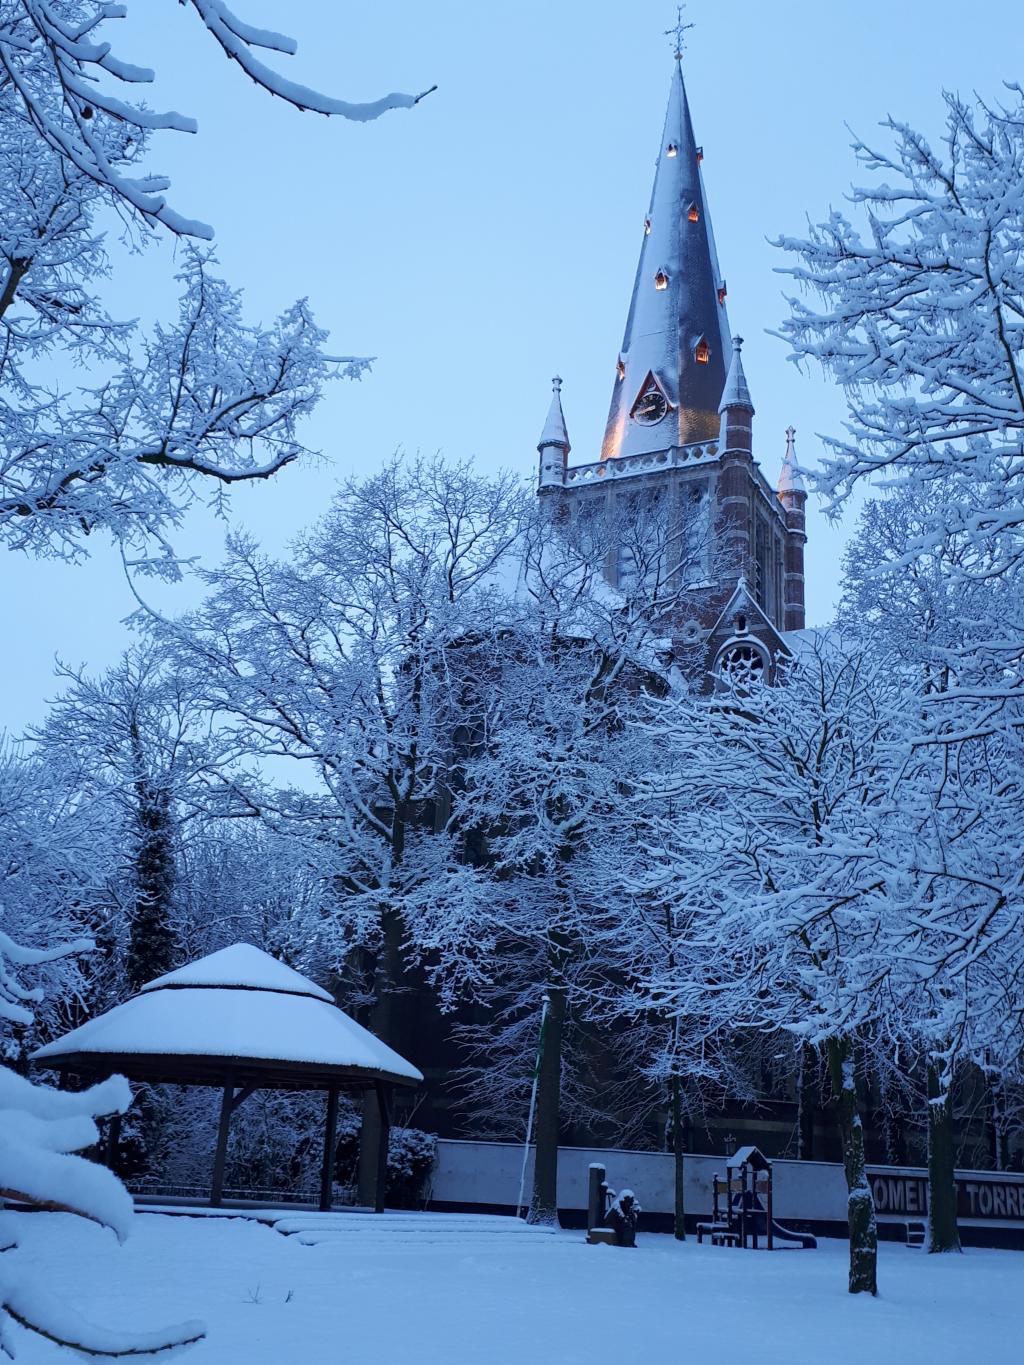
(221, 1151)
(330, 1142)
(384, 1106)
(113, 1138)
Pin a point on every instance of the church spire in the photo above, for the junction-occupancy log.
(790, 479)
(554, 444)
(672, 367)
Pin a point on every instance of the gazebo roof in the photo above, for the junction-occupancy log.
(239, 1013)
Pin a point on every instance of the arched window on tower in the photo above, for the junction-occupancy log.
(741, 665)
(695, 540)
(702, 352)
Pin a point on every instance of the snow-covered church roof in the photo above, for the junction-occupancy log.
(238, 1011)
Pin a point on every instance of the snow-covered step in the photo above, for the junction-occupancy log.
(412, 1229)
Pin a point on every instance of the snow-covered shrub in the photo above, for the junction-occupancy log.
(41, 1130)
(410, 1161)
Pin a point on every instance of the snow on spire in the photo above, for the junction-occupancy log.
(790, 479)
(554, 442)
(736, 393)
(555, 433)
(677, 344)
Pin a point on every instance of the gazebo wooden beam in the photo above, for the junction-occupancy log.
(230, 1101)
(330, 1143)
(383, 1134)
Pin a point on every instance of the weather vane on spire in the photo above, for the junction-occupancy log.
(676, 34)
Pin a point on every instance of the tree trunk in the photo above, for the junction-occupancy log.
(860, 1206)
(385, 1024)
(806, 1096)
(152, 946)
(943, 1233)
(544, 1200)
(679, 1224)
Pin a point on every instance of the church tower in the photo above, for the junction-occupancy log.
(679, 436)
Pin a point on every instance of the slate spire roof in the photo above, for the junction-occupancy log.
(677, 333)
(736, 393)
(790, 479)
(555, 433)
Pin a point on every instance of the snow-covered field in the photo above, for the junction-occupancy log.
(406, 1293)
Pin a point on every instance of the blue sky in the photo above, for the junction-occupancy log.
(487, 240)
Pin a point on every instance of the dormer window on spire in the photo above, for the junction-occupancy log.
(620, 368)
(702, 353)
(722, 291)
(672, 149)
(693, 213)
(647, 227)
(661, 279)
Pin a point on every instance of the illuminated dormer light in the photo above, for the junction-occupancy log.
(693, 213)
(721, 293)
(620, 368)
(700, 155)
(671, 149)
(703, 352)
(661, 280)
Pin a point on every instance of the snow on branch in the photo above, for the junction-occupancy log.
(53, 60)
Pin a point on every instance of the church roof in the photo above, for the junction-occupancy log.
(677, 332)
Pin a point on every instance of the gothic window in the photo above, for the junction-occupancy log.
(763, 575)
(702, 354)
(742, 665)
(693, 213)
(695, 544)
(641, 533)
(661, 280)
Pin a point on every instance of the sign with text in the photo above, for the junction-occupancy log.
(980, 1197)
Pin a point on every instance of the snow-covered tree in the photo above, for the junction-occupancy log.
(922, 312)
(347, 661)
(548, 755)
(918, 607)
(154, 421)
(77, 97)
(786, 845)
(56, 853)
(137, 742)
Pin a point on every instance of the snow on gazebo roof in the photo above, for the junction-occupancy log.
(244, 966)
(237, 1011)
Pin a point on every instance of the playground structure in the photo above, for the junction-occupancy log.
(611, 1218)
(738, 1216)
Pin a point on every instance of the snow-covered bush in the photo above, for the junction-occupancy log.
(41, 1130)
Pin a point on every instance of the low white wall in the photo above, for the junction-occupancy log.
(803, 1191)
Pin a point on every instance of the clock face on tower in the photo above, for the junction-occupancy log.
(650, 407)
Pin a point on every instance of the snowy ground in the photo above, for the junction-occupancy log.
(462, 1296)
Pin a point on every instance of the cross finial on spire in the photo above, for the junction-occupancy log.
(790, 433)
(556, 383)
(677, 32)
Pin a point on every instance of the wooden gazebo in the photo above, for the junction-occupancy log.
(242, 1021)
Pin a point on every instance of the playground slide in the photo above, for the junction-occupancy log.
(779, 1233)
